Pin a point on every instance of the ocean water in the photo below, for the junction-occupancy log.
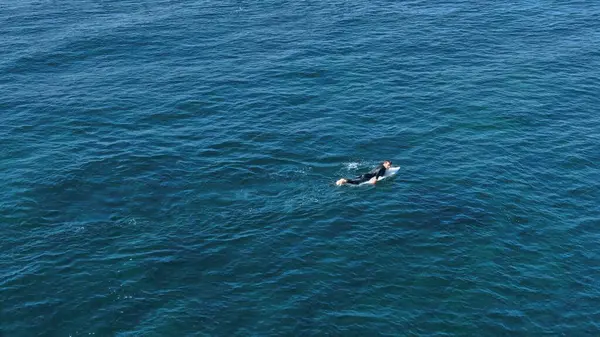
(167, 168)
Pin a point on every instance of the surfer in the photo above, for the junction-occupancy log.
(371, 177)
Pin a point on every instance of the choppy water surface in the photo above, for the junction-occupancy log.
(167, 168)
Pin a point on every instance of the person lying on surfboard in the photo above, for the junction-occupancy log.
(371, 177)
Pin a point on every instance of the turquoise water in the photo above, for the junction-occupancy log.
(167, 168)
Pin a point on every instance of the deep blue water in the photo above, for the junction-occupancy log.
(167, 168)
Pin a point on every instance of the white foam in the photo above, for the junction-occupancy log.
(351, 166)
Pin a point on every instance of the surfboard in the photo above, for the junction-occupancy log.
(388, 173)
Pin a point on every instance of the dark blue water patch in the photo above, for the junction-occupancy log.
(169, 168)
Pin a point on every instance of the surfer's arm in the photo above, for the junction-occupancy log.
(380, 173)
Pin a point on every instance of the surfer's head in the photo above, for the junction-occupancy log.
(387, 164)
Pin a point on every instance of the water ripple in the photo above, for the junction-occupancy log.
(168, 168)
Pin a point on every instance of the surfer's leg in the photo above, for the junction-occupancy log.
(341, 182)
(353, 181)
(348, 181)
(360, 179)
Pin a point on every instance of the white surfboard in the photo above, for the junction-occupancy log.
(388, 173)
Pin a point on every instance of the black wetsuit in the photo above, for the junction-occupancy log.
(377, 172)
